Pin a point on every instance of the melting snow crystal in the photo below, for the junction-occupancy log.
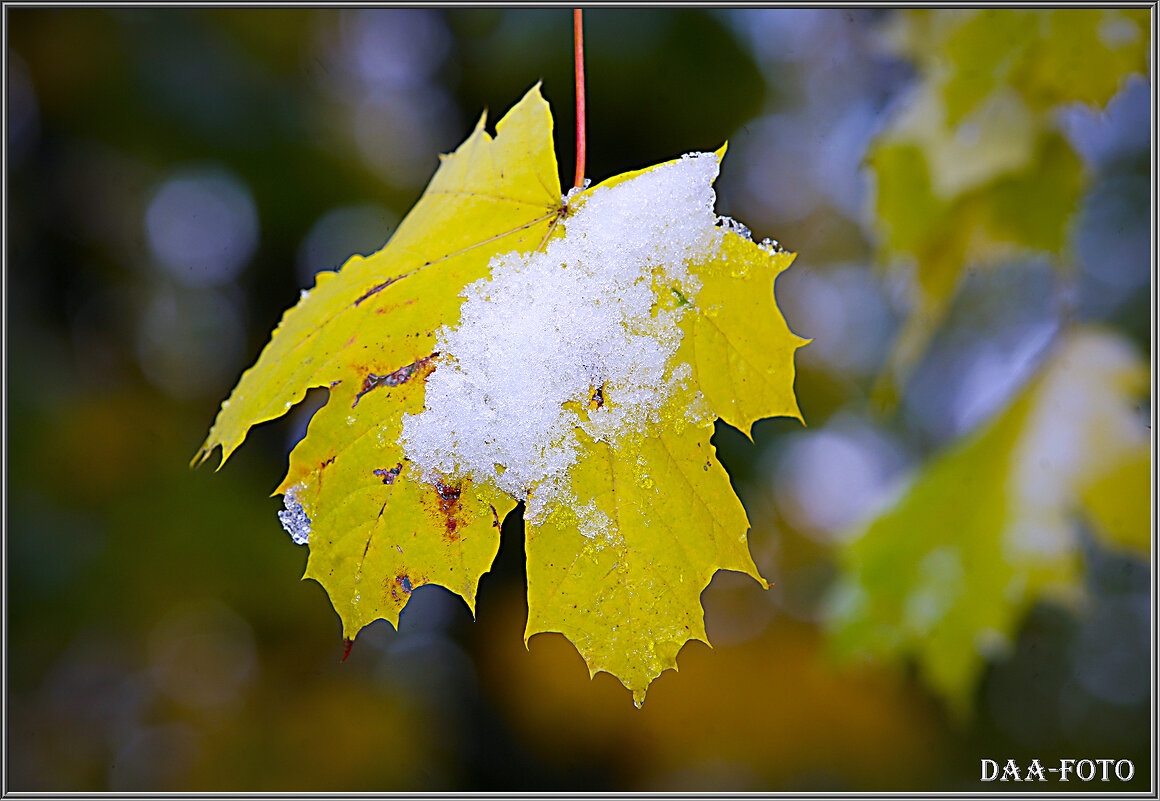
(565, 325)
(294, 519)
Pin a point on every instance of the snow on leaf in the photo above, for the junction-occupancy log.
(377, 531)
(739, 344)
(990, 525)
(367, 334)
(615, 348)
(377, 314)
(508, 345)
(621, 575)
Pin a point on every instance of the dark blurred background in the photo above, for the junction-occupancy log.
(175, 177)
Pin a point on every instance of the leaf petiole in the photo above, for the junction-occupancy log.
(581, 144)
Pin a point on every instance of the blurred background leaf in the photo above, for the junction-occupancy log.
(950, 570)
(973, 165)
(176, 176)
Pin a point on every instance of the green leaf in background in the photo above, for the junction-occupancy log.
(1117, 502)
(973, 169)
(1049, 56)
(988, 527)
(1024, 209)
(985, 47)
(1031, 207)
(1083, 55)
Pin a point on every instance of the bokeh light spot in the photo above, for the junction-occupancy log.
(202, 226)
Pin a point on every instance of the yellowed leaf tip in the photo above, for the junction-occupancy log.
(202, 456)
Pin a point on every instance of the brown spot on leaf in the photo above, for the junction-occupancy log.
(388, 476)
(596, 400)
(346, 646)
(322, 469)
(375, 290)
(494, 516)
(399, 587)
(449, 506)
(420, 367)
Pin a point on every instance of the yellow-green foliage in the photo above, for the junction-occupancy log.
(973, 169)
(988, 527)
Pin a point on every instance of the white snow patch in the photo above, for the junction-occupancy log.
(593, 319)
(597, 527)
(294, 519)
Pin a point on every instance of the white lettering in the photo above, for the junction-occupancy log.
(1085, 770)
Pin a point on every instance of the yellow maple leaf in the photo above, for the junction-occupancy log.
(509, 344)
(489, 196)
